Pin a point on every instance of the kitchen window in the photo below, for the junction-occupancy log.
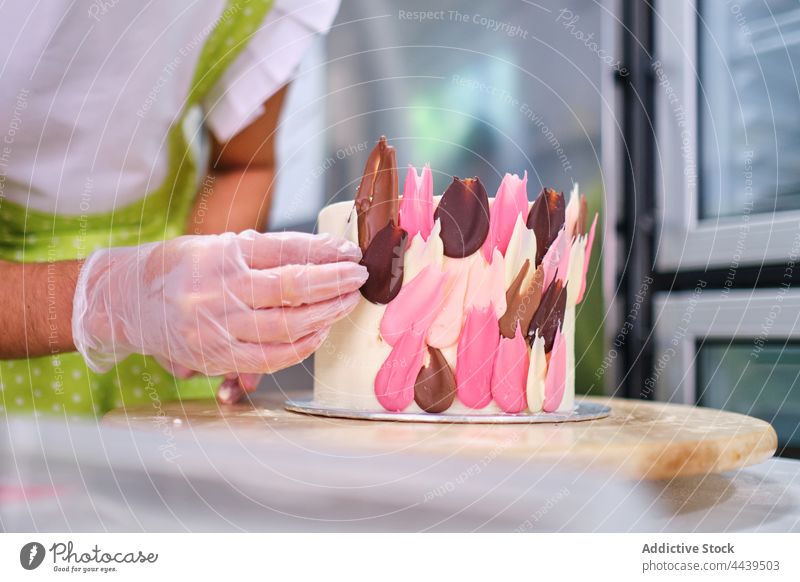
(724, 320)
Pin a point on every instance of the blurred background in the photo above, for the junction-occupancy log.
(678, 120)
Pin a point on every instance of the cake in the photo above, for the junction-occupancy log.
(470, 302)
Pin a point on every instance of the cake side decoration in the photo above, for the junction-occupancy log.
(550, 315)
(521, 248)
(416, 206)
(476, 350)
(587, 256)
(435, 386)
(556, 374)
(394, 383)
(449, 320)
(470, 302)
(545, 219)
(537, 372)
(510, 373)
(463, 213)
(522, 300)
(510, 203)
(383, 259)
(376, 200)
(415, 306)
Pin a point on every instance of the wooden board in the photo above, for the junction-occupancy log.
(639, 439)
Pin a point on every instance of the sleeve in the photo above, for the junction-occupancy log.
(266, 64)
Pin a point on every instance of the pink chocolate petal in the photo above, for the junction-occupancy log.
(556, 375)
(586, 258)
(417, 304)
(510, 201)
(475, 357)
(447, 324)
(394, 383)
(416, 206)
(510, 373)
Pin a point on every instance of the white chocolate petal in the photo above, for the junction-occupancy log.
(414, 259)
(477, 280)
(572, 211)
(537, 372)
(568, 331)
(435, 245)
(521, 247)
(421, 254)
(575, 270)
(498, 286)
(450, 355)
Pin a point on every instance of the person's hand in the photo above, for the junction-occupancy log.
(233, 387)
(216, 304)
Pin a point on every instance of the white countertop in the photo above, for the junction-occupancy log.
(87, 477)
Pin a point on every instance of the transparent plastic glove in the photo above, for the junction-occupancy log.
(216, 304)
(233, 388)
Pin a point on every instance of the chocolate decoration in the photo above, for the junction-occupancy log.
(545, 219)
(550, 315)
(521, 304)
(377, 199)
(463, 213)
(435, 388)
(384, 262)
(583, 213)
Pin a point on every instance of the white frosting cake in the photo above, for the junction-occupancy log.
(455, 317)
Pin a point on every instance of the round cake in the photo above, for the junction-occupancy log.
(470, 302)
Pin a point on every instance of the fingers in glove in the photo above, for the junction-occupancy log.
(250, 381)
(293, 285)
(265, 251)
(230, 391)
(269, 358)
(177, 370)
(289, 324)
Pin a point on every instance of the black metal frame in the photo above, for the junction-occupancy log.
(637, 219)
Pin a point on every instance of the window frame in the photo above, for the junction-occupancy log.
(682, 327)
(684, 240)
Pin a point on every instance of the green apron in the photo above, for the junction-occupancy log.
(63, 384)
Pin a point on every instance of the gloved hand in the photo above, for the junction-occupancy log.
(244, 303)
(233, 387)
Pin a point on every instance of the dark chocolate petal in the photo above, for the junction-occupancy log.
(384, 262)
(522, 302)
(545, 219)
(463, 213)
(550, 315)
(377, 198)
(582, 216)
(435, 388)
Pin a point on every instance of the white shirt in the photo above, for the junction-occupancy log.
(88, 91)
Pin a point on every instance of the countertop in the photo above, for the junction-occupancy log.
(166, 477)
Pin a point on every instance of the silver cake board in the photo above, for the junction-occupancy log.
(582, 411)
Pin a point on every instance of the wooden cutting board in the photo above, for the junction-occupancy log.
(639, 439)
